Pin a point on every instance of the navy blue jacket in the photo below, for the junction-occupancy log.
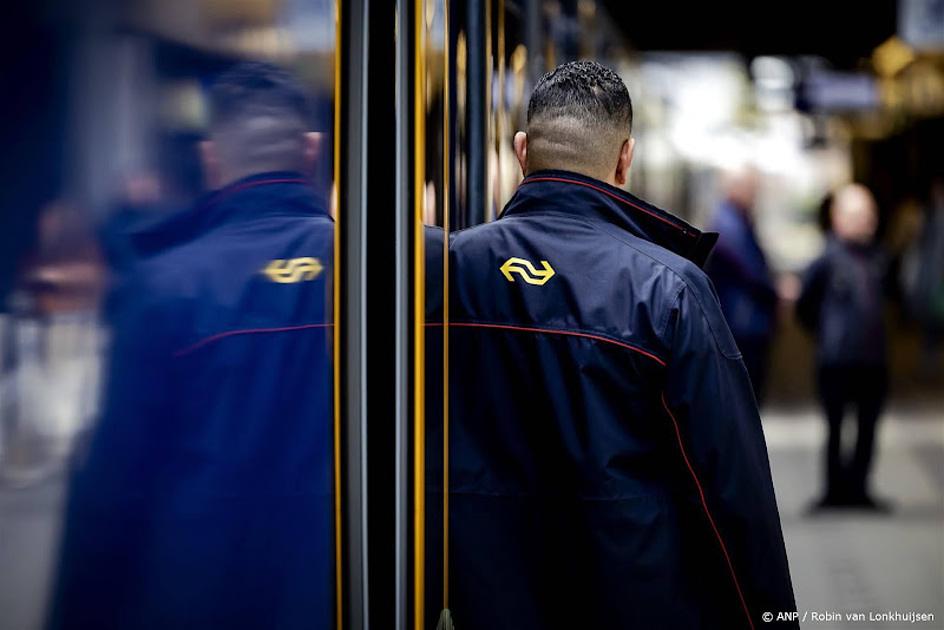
(738, 269)
(204, 497)
(608, 467)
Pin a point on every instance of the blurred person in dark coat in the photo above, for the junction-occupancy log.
(204, 496)
(841, 302)
(738, 269)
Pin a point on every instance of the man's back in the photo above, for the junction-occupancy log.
(586, 487)
(204, 499)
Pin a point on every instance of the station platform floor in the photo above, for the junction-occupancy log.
(841, 562)
(855, 562)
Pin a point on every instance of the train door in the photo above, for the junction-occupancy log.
(461, 97)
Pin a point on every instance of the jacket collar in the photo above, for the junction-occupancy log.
(277, 193)
(274, 193)
(572, 193)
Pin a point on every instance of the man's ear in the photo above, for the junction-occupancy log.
(625, 161)
(314, 143)
(209, 159)
(521, 151)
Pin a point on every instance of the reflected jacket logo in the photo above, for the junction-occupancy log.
(527, 271)
(293, 270)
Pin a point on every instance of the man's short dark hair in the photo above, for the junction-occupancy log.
(259, 114)
(576, 114)
(582, 89)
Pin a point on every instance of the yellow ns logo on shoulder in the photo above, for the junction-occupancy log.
(292, 270)
(526, 271)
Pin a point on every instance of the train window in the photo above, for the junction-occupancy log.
(472, 78)
(167, 421)
(434, 198)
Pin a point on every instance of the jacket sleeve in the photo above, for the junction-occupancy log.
(717, 430)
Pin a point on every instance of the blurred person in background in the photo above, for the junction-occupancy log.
(738, 269)
(56, 295)
(64, 274)
(203, 497)
(841, 303)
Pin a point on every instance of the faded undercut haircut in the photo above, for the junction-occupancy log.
(259, 114)
(579, 116)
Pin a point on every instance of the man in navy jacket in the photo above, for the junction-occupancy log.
(608, 467)
(203, 499)
(739, 272)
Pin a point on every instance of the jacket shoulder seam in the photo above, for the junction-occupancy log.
(685, 284)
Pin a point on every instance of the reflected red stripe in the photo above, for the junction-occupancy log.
(225, 192)
(246, 331)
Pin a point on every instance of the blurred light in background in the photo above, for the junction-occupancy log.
(107, 104)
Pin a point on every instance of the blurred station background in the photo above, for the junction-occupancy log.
(104, 105)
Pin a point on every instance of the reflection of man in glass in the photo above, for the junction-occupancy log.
(203, 499)
(608, 467)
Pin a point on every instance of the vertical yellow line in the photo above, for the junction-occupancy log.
(490, 121)
(336, 314)
(500, 109)
(446, 208)
(419, 315)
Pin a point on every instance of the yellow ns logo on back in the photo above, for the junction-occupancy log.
(526, 270)
(293, 270)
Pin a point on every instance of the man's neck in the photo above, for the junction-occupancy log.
(611, 180)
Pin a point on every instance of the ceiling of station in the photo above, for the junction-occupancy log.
(841, 31)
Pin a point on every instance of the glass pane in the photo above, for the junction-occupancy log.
(436, 200)
(167, 427)
(474, 86)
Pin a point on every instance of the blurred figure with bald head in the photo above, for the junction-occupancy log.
(841, 304)
(738, 269)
